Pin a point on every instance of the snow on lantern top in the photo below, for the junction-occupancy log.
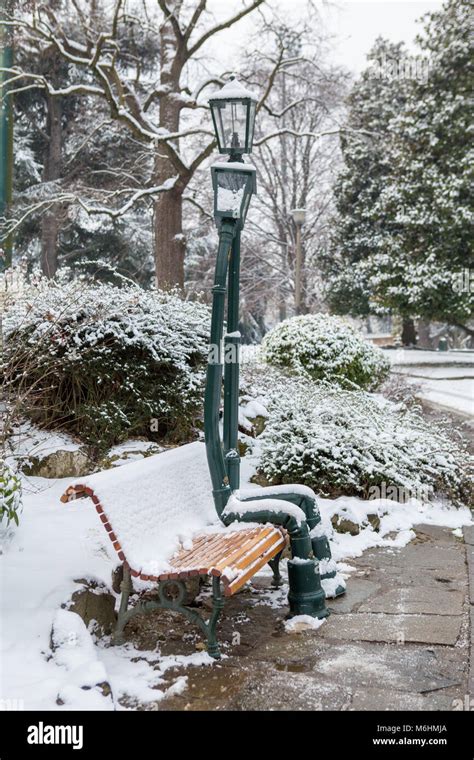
(233, 111)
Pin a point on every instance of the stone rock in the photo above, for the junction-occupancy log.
(60, 464)
(193, 587)
(103, 687)
(258, 425)
(344, 525)
(374, 521)
(93, 602)
(131, 451)
(260, 479)
(243, 447)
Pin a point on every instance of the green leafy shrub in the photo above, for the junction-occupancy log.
(326, 348)
(107, 363)
(10, 493)
(347, 442)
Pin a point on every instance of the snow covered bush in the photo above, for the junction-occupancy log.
(326, 348)
(107, 363)
(10, 493)
(346, 442)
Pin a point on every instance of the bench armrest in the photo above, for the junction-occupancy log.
(286, 515)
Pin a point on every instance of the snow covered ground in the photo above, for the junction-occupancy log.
(57, 544)
(54, 545)
(29, 441)
(453, 393)
(402, 356)
(444, 378)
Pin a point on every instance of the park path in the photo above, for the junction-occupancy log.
(445, 379)
(399, 639)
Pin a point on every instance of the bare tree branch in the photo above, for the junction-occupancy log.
(194, 19)
(224, 25)
(315, 135)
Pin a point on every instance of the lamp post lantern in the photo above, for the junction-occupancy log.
(234, 184)
(299, 218)
(233, 111)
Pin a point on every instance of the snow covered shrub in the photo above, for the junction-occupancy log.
(107, 363)
(326, 348)
(345, 442)
(10, 493)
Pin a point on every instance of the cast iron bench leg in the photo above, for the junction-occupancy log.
(217, 607)
(126, 589)
(171, 594)
(275, 566)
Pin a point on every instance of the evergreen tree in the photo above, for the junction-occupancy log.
(427, 200)
(373, 103)
(404, 202)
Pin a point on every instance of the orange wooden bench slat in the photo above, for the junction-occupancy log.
(213, 546)
(228, 545)
(240, 550)
(264, 543)
(262, 560)
(249, 547)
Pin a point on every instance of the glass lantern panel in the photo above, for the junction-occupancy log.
(230, 192)
(246, 206)
(217, 111)
(231, 121)
(252, 111)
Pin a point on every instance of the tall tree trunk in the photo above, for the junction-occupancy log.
(423, 332)
(51, 172)
(169, 241)
(49, 242)
(408, 332)
(281, 305)
(170, 244)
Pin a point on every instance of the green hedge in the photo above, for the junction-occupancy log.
(326, 348)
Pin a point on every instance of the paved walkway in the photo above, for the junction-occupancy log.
(399, 639)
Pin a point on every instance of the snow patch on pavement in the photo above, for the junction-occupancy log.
(301, 623)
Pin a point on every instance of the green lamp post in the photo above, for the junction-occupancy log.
(233, 112)
(234, 182)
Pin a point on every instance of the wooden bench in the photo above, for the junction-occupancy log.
(168, 534)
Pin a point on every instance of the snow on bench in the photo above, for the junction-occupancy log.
(160, 516)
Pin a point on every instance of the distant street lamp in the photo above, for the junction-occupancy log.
(299, 218)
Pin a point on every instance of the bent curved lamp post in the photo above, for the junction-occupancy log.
(233, 110)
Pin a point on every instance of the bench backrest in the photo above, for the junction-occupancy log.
(156, 504)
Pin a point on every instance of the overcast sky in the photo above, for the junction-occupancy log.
(355, 24)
